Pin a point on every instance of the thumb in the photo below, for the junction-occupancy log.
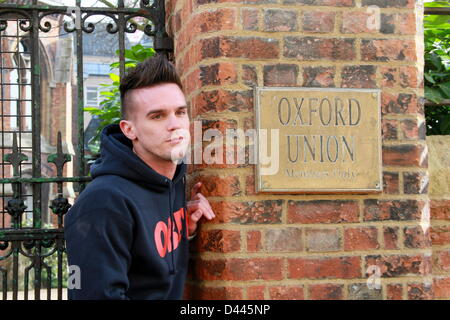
(193, 220)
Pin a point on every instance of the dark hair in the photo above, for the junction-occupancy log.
(152, 71)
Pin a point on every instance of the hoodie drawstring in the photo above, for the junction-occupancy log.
(174, 225)
(185, 208)
(172, 229)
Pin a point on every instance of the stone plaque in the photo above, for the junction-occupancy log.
(317, 140)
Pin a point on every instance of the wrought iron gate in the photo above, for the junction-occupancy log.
(23, 235)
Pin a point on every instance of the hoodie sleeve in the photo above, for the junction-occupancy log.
(99, 236)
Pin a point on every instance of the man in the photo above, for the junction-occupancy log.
(128, 231)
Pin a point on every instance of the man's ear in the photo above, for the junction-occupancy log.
(128, 129)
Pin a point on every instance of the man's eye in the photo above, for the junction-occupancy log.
(158, 116)
(182, 112)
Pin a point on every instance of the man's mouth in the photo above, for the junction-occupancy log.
(175, 140)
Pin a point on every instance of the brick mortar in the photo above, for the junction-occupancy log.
(401, 182)
(361, 209)
(284, 269)
(338, 74)
(249, 170)
(441, 246)
(338, 65)
(284, 212)
(304, 197)
(239, 283)
(422, 143)
(440, 274)
(309, 63)
(243, 239)
(262, 227)
(210, 256)
(395, 116)
(419, 92)
(338, 20)
(380, 237)
(324, 8)
(440, 223)
(178, 6)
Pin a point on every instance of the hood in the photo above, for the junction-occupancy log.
(118, 158)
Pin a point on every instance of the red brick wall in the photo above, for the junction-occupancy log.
(440, 237)
(307, 246)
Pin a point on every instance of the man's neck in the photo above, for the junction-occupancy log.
(164, 168)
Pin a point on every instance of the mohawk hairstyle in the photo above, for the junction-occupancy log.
(151, 72)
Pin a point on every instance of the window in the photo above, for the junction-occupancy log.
(92, 98)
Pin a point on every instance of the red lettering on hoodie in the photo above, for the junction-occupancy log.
(163, 240)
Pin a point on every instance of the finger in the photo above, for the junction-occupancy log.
(195, 197)
(205, 211)
(204, 200)
(195, 189)
(202, 204)
(193, 219)
(196, 216)
(192, 203)
(206, 204)
(193, 206)
(208, 213)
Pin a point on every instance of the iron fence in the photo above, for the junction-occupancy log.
(25, 240)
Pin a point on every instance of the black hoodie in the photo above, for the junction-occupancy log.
(117, 230)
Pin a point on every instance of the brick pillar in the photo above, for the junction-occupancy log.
(439, 192)
(307, 246)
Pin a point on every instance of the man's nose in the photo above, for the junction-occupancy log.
(173, 123)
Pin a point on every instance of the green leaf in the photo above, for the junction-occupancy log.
(447, 65)
(115, 65)
(94, 147)
(90, 109)
(445, 87)
(436, 4)
(137, 47)
(129, 54)
(438, 74)
(433, 94)
(437, 19)
(106, 93)
(436, 60)
(429, 78)
(114, 77)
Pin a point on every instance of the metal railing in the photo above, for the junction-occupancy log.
(35, 244)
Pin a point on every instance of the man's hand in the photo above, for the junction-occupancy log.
(197, 208)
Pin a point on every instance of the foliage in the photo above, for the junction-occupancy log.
(437, 70)
(110, 105)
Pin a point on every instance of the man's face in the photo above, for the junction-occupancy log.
(158, 122)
